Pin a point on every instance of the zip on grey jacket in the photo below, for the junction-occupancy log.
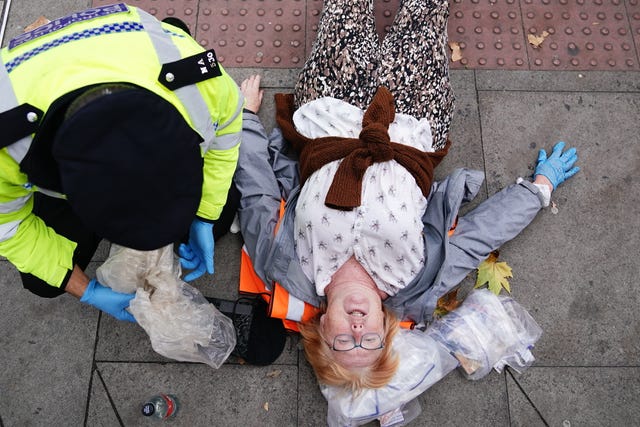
(268, 172)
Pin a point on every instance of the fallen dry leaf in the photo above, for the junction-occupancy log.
(447, 303)
(266, 406)
(37, 23)
(456, 54)
(494, 273)
(536, 41)
(274, 374)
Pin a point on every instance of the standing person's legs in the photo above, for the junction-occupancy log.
(344, 57)
(415, 64)
(57, 214)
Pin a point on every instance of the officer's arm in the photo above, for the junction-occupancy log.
(77, 283)
(218, 170)
(221, 159)
(25, 240)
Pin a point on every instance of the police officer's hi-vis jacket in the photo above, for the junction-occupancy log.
(115, 43)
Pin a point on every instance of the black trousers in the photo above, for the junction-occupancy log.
(57, 214)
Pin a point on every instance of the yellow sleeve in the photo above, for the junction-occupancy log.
(25, 240)
(220, 164)
(39, 250)
(219, 167)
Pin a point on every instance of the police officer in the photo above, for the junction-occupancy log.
(112, 125)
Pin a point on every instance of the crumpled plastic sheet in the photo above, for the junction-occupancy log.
(486, 332)
(181, 324)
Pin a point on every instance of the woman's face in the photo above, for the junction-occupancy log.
(353, 311)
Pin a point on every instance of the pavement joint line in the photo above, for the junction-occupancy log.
(526, 395)
(106, 390)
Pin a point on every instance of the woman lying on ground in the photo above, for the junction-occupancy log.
(364, 234)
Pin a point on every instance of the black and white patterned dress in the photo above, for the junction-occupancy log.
(337, 83)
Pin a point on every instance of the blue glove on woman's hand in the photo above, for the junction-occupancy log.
(108, 300)
(197, 255)
(558, 167)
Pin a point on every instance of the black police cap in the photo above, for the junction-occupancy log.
(130, 166)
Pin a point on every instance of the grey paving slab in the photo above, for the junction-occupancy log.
(575, 270)
(46, 348)
(312, 406)
(456, 401)
(229, 396)
(465, 133)
(270, 78)
(576, 396)
(224, 282)
(548, 81)
(466, 148)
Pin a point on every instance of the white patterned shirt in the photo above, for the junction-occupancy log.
(384, 234)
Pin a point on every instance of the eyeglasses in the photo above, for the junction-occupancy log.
(344, 342)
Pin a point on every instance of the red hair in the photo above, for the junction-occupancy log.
(330, 372)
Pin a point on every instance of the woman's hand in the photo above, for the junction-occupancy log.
(558, 167)
(250, 88)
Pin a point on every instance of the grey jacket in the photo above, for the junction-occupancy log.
(267, 172)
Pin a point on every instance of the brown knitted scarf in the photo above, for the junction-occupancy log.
(372, 146)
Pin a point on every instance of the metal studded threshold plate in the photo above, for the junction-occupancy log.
(491, 34)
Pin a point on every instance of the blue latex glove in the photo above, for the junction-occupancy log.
(558, 167)
(197, 255)
(108, 300)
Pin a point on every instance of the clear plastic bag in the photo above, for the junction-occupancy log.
(180, 322)
(423, 362)
(488, 332)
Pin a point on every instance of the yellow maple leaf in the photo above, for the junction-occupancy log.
(494, 273)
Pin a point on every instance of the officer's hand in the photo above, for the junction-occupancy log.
(558, 167)
(108, 300)
(197, 255)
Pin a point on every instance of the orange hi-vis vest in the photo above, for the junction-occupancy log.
(283, 305)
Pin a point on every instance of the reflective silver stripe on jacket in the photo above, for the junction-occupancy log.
(8, 230)
(235, 113)
(295, 309)
(50, 193)
(190, 96)
(229, 140)
(14, 205)
(8, 100)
